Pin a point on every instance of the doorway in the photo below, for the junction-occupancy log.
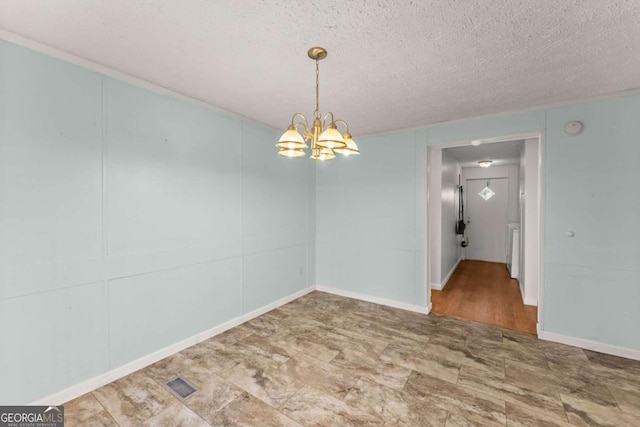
(474, 276)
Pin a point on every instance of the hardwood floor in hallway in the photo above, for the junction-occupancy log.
(484, 292)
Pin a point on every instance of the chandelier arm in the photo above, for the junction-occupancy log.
(304, 123)
(306, 128)
(325, 117)
(293, 118)
(344, 123)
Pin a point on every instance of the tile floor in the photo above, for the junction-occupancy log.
(325, 360)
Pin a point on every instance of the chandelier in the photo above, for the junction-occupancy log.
(325, 140)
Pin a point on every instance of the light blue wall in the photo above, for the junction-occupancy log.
(119, 209)
(592, 281)
(370, 219)
(369, 223)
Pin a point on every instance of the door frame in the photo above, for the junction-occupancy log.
(431, 208)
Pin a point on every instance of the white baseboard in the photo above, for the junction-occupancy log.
(590, 345)
(521, 286)
(440, 286)
(375, 300)
(124, 370)
(84, 387)
(530, 301)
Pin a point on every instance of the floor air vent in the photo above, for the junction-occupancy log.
(181, 388)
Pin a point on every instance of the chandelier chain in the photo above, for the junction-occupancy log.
(317, 112)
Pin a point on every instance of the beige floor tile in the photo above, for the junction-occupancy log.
(262, 346)
(502, 389)
(303, 323)
(574, 375)
(330, 379)
(535, 378)
(404, 329)
(522, 339)
(449, 326)
(368, 366)
(394, 315)
(214, 395)
(526, 416)
(176, 415)
(216, 357)
(615, 371)
(613, 362)
(392, 406)
(470, 419)
(232, 335)
(563, 354)
(265, 381)
(418, 361)
(456, 334)
(87, 411)
(627, 400)
(463, 404)
(268, 324)
(247, 411)
(296, 311)
(133, 399)
(308, 342)
(507, 349)
(312, 408)
(394, 333)
(342, 339)
(586, 413)
(443, 348)
(546, 381)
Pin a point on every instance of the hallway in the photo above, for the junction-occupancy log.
(483, 292)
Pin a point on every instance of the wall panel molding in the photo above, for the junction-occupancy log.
(119, 266)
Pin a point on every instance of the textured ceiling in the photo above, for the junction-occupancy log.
(500, 153)
(391, 65)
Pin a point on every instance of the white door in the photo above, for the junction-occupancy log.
(486, 220)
